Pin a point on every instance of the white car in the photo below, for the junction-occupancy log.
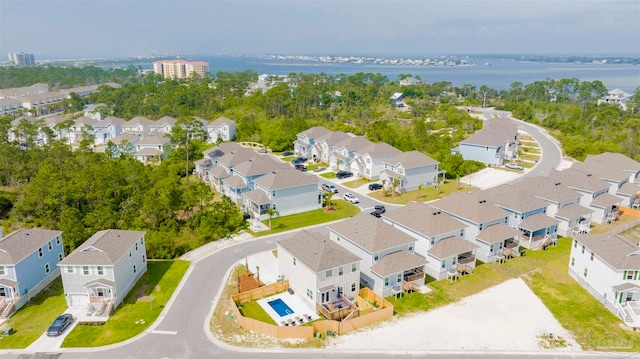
(514, 166)
(350, 197)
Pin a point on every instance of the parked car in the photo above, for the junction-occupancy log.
(378, 211)
(59, 325)
(329, 188)
(298, 160)
(300, 167)
(514, 166)
(287, 153)
(375, 186)
(343, 174)
(319, 169)
(350, 197)
(262, 150)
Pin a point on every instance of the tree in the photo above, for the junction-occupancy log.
(328, 196)
(186, 128)
(271, 212)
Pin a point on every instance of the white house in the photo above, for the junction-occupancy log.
(306, 139)
(343, 155)
(495, 142)
(389, 264)
(619, 171)
(409, 170)
(616, 97)
(608, 266)
(319, 270)
(163, 125)
(151, 147)
(139, 126)
(221, 129)
(101, 271)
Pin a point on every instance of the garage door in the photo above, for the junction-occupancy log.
(79, 299)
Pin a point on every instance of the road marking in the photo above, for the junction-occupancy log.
(167, 332)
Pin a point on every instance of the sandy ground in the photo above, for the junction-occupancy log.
(489, 177)
(506, 317)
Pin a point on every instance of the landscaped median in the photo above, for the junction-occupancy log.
(137, 312)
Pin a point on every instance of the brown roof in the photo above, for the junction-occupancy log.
(397, 262)
(235, 182)
(512, 198)
(371, 234)
(606, 200)
(18, 245)
(165, 120)
(452, 246)
(139, 120)
(222, 121)
(259, 165)
(156, 139)
(379, 150)
(424, 219)
(148, 152)
(113, 120)
(129, 137)
(572, 211)
(317, 251)
(412, 159)
(579, 179)
(497, 232)
(314, 132)
(219, 172)
(472, 207)
(103, 281)
(613, 249)
(538, 221)
(104, 248)
(547, 189)
(257, 196)
(285, 178)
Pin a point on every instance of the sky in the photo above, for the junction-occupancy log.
(65, 29)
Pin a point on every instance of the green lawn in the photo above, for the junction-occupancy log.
(341, 210)
(426, 194)
(530, 156)
(288, 158)
(254, 310)
(329, 175)
(136, 312)
(356, 183)
(32, 320)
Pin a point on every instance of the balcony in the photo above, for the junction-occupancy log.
(414, 275)
(338, 309)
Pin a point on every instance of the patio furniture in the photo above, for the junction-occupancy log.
(298, 319)
(307, 317)
(291, 322)
(284, 324)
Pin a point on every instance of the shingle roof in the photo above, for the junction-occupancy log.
(629, 189)
(104, 248)
(572, 211)
(619, 160)
(222, 121)
(139, 120)
(606, 200)
(221, 149)
(259, 165)
(285, 178)
(538, 221)
(165, 120)
(314, 132)
(397, 262)
(472, 207)
(129, 137)
(219, 172)
(113, 120)
(452, 246)
(379, 150)
(412, 159)
(371, 234)
(102, 281)
(333, 137)
(497, 232)
(578, 179)
(235, 182)
(512, 198)
(613, 249)
(84, 120)
(156, 139)
(148, 152)
(16, 246)
(237, 156)
(354, 143)
(494, 133)
(424, 219)
(626, 287)
(547, 189)
(257, 196)
(317, 251)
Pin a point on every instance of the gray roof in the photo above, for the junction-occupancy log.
(237, 156)
(606, 200)
(259, 165)
(235, 182)
(222, 121)
(472, 207)
(113, 120)
(547, 189)
(512, 198)
(285, 178)
(397, 262)
(139, 120)
(18, 245)
(538, 221)
(572, 211)
(156, 139)
(631, 287)
(314, 132)
(494, 133)
(578, 179)
(379, 150)
(370, 233)
(498, 232)
(104, 248)
(412, 159)
(165, 120)
(257, 196)
(452, 246)
(102, 281)
(8, 282)
(129, 137)
(619, 160)
(317, 251)
(84, 120)
(424, 219)
(629, 189)
(612, 248)
(333, 137)
(354, 143)
(54, 120)
(219, 172)
(221, 149)
(148, 152)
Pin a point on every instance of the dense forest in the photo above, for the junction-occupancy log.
(81, 192)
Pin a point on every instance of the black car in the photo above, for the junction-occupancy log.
(59, 325)
(287, 153)
(343, 174)
(378, 211)
(298, 160)
(300, 167)
(375, 186)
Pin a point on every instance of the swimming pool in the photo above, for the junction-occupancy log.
(280, 307)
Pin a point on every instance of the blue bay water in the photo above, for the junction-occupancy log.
(500, 75)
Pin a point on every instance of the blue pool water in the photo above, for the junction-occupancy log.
(280, 307)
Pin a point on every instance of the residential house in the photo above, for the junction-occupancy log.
(107, 128)
(608, 266)
(343, 155)
(439, 238)
(369, 161)
(163, 125)
(103, 269)
(16, 92)
(139, 126)
(397, 99)
(242, 175)
(619, 171)
(410, 81)
(389, 264)
(83, 127)
(124, 143)
(221, 129)
(306, 139)
(323, 145)
(10, 106)
(495, 142)
(616, 97)
(223, 157)
(28, 263)
(487, 224)
(284, 189)
(319, 270)
(151, 147)
(202, 168)
(409, 170)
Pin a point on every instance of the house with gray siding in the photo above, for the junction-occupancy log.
(369, 160)
(221, 129)
(323, 145)
(408, 170)
(306, 139)
(495, 142)
(619, 171)
(28, 263)
(100, 273)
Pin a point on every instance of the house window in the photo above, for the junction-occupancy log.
(443, 263)
(329, 273)
(462, 233)
(491, 248)
(273, 193)
(480, 227)
(353, 267)
(141, 241)
(129, 254)
(134, 269)
(591, 255)
(454, 260)
(582, 249)
(375, 258)
(85, 270)
(433, 240)
(100, 270)
(39, 252)
(630, 275)
(2, 272)
(59, 257)
(144, 259)
(575, 243)
(136, 246)
(340, 271)
(410, 248)
(50, 244)
(386, 282)
(70, 270)
(399, 278)
(58, 240)
(586, 272)
(46, 268)
(353, 287)
(294, 261)
(309, 293)
(573, 261)
(500, 245)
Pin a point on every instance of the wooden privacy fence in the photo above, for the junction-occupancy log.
(366, 301)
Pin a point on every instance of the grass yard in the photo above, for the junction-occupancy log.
(356, 183)
(328, 175)
(32, 320)
(288, 158)
(134, 314)
(342, 209)
(530, 156)
(426, 194)
(254, 310)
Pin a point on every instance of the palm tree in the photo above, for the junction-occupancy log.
(271, 211)
(327, 201)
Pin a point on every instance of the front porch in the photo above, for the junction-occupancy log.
(629, 312)
(8, 297)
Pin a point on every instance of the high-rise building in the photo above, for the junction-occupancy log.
(180, 69)
(21, 59)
